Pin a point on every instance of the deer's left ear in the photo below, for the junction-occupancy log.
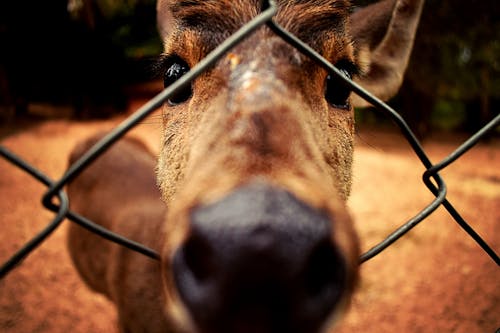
(383, 35)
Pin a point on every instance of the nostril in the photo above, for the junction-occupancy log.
(325, 273)
(259, 260)
(198, 258)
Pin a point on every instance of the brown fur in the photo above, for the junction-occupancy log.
(120, 194)
(258, 115)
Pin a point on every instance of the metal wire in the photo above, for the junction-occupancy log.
(36, 241)
(61, 208)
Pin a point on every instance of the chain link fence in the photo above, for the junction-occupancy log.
(56, 200)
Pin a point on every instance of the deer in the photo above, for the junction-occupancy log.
(246, 200)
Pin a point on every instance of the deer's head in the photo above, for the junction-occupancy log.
(256, 159)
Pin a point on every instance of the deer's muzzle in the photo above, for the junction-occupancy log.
(260, 260)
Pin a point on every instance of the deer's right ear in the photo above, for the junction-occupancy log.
(383, 35)
(164, 19)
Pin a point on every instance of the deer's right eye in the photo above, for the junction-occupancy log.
(176, 68)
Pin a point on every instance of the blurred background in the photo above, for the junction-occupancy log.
(80, 57)
(88, 58)
(453, 79)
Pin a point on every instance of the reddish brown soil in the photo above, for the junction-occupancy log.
(435, 279)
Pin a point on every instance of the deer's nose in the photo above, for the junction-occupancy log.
(259, 260)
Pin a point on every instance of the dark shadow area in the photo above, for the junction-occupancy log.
(62, 61)
(453, 78)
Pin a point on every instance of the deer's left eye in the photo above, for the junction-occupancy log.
(175, 69)
(336, 91)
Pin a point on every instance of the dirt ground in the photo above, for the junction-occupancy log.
(435, 279)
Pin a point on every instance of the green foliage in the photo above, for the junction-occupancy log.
(457, 50)
(129, 24)
(133, 26)
(448, 115)
(111, 9)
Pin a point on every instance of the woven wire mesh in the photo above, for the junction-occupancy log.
(57, 201)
